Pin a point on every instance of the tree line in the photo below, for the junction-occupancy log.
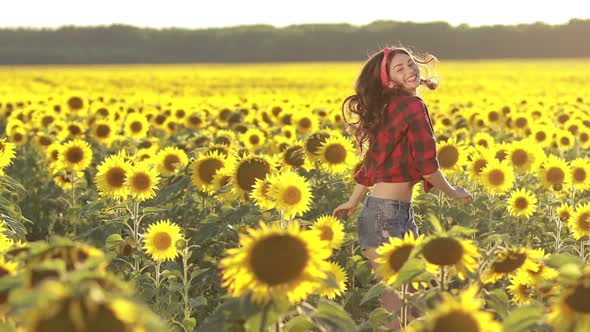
(118, 43)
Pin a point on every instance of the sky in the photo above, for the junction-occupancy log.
(195, 14)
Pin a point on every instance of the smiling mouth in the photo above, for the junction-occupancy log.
(412, 78)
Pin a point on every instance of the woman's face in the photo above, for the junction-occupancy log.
(404, 72)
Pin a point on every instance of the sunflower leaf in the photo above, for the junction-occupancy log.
(378, 317)
(523, 318)
(499, 302)
(411, 268)
(559, 260)
(299, 324)
(334, 316)
(372, 293)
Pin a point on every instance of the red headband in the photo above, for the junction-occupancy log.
(384, 80)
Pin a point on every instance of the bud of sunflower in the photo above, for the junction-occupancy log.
(181, 244)
(127, 247)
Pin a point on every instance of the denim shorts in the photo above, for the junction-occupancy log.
(381, 218)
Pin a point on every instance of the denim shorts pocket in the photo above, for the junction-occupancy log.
(388, 222)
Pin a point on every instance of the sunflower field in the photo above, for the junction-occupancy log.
(200, 198)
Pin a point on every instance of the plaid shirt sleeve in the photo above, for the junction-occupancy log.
(421, 138)
(361, 177)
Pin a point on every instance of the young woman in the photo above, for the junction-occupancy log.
(394, 124)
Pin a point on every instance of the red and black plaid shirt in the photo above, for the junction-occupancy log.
(405, 148)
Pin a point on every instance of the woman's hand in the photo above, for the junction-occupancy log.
(462, 194)
(348, 208)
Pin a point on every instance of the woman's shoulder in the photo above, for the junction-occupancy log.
(407, 104)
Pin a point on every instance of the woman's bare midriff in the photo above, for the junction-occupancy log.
(400, 191)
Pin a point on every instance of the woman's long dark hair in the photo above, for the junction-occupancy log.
(371, 98)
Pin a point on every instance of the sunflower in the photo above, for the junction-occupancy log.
(222, 178)
(522, 203)
(291, 193)
(110, 178)
(7, 268)
(136, 126)
(580, 174)
(142, 181)
(564, 212)
(170, 127)
(306, 123)
(6, 152)
(521, 291)
(18, 136)
(195, 120)
(458, 254)
(247, 169)
(483, 139)
(72, 130)
(289, 132)
(509, 261)
(160, 240)
(451, 156)
(253, 139)
(478, 159)
(584, 138)
(554, 173)
(103, 132)
(170, 159)
(314, 142)
(76, 103)
(541, 134)
(570, 311)
(331, 230)
(541, 273)
(496, 176)
(225, 137)
(565, 140)
(338, 280)
(275, 262)
(580, 221)
(393, 255)
(43, 140)
(63, 178)
(293, 156)
(203, 169)
(260, 194)
(337, 154)
(458, 314)
(75, 155)
(523, 156)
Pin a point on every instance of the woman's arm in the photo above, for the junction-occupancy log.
(438, 180)
(357, 194)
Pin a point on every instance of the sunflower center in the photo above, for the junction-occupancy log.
(510, 263)
(496, 177)
(399, 256)
(584, 137)
(47, 120)
(501, 154)
(170, 161)
(208, 168)
(162, 240)
(74, 155)
(294, 156)
(136, 126)
(141, 182)
(116, 177)
(103, 130)
(520, 122)
(327, 233)
(75, 103)
(483, 143)
(555, 175)
(493, 116)
(101, 318)
(305, 123)
(74, 130)
(520, 158)
(335, 154)
(250, 170)
(315, 141)
(578, 300)
(456, 321)
(443, 251)
(521, 203)
(195, 120)
(479, 165)
(279, 259)
(564, 215)
(45, 141)
(448, 156)
(223, 140)
(292, 195)
(579, 175)
(18, 137)
(540, 136)
(254, 139)
(584, 221)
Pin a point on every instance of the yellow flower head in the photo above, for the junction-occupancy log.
(331, 230)
(160, 240)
